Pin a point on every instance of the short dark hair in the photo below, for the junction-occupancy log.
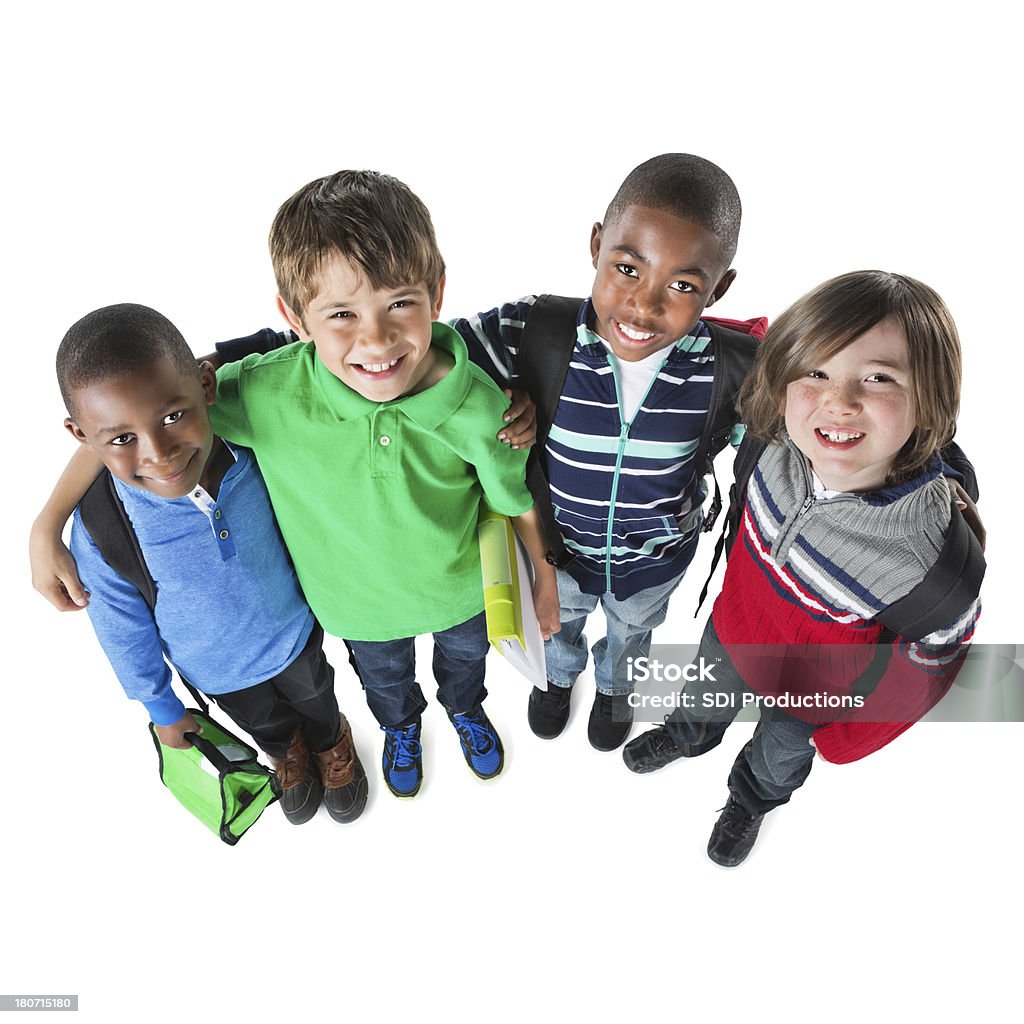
(372, 219)
(689, 187)
(834, 315)
(115, 341)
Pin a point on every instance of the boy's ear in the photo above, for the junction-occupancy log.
(435, 309)
(208, 380)
(721, 288)
(75, 430)
(294, 321)
(595, 242)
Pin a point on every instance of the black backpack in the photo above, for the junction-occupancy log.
(545, 348)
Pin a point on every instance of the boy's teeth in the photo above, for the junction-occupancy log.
(635, 335)
(839, 435)
(378, 367)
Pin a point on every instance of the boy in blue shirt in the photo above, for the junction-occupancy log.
(229, 613)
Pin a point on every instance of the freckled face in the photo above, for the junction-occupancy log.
(852, 414)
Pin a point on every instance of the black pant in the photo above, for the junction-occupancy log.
(302, 695)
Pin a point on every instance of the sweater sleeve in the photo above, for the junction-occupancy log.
(126, 630)
(493, 338)
(917, 677)
(263, 341)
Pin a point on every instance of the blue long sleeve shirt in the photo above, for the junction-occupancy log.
(229, 611)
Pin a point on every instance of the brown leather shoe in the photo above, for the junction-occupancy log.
(301, 788)
(344, 781)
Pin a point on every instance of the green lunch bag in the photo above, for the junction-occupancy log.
(227, 802)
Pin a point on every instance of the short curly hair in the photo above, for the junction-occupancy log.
(115, 341)
(689, 187)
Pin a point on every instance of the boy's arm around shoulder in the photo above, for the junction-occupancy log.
(492, 339)
(264, 340)
(54, 573)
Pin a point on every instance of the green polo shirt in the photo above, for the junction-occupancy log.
(377, 502)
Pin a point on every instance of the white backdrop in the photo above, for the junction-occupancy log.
(145, 155)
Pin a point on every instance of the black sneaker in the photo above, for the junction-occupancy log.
(611, 718)
(548, 710)
(734, 835)
(651, 750)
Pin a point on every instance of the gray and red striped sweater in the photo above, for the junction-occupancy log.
(806, 579)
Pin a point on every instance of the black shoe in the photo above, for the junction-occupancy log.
(548, 710)
(343, 778)
(299, 780)
(651, 750)
(734, 835)
(611, 718)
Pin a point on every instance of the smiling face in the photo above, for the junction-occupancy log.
(852, 413)
(377, 341)
(655, 275)
(150, 428)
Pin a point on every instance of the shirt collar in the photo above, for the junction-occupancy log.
(428, 408)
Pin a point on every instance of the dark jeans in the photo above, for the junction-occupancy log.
(387, 670)
(776, 761)
(300, 696)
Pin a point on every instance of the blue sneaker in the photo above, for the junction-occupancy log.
(403, 760)
(481, 745)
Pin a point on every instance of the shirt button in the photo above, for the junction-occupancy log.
(385, 440)
(223, 534)
(198, 494)
(216, 515)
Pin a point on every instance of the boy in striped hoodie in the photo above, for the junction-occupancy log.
(622, 455)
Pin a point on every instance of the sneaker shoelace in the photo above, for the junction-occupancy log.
(736, 822)
(474, 734)
(405, 747)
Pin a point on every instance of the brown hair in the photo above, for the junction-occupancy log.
(371, 219)
(833, 315)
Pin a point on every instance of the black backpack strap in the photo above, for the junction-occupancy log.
(545, 348)
(542, 361)
(948, 588)
(108, 524)
(734, 356)
(954, 457)
(750, 451)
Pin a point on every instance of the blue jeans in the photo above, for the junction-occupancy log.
(629, 626)
(387, 670)
(776, 761)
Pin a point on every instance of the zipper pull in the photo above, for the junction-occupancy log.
(808, 502)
